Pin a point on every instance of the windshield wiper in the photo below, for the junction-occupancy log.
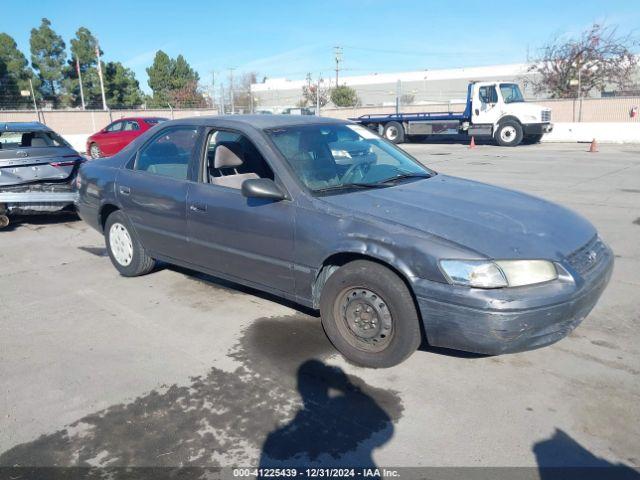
(350, 185)
(400, 176)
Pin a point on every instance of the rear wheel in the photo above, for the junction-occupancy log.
(369, 315)
(394, 132)
(125, 250)
(508, 134)
(94, 151)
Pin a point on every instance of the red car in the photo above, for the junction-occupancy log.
(117, 135)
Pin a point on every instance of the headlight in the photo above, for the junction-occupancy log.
(501, 273)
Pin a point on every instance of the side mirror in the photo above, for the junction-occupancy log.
(262, 188)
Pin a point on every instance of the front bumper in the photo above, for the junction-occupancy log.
(513, 319)
(537, 128)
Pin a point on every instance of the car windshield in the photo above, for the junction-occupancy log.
(511, 93)
(13, 140)
(340, 157)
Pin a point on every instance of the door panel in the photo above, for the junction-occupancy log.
(153, 193)
(486, 104)
(248, 239)
(156, 207)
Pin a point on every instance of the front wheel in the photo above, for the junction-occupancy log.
(508, 134)
(125, 250)
(369, 315)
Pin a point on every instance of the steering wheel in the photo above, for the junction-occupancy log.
(359, 166)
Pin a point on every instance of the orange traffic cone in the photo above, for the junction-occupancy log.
(473, 143)
(594, 146)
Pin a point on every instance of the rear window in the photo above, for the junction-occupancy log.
(154, 121)
(14, 140)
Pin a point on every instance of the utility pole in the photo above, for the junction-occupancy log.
(80, 82)
(104, 97)
(233, 109)
(338, 57)
(398, 95)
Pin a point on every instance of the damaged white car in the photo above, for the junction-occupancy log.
(37, 170)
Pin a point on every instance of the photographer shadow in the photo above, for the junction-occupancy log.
(338, 425)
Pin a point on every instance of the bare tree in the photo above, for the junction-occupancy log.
(575, 67)
(310, 94)
(242, 92)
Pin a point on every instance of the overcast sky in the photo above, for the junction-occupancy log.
(289, 38)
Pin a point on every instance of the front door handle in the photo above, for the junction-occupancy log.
(125, 190)
(198, 207)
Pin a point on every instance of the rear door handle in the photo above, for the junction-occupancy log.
(198, 207)
(125, 190)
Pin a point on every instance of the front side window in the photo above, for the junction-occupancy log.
(114, 127)
(231, 158)
(13, 140)
(169, 154)
(336, 157)
(511, 93)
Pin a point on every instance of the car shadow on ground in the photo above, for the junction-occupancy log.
(560, 457)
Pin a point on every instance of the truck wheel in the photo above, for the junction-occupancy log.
(531, 139)
(394, 132)
(508, 134)
(369, 315)
(125, 250)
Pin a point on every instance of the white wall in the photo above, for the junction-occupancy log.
(612, 132)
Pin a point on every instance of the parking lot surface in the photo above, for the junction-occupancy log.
(178, 368)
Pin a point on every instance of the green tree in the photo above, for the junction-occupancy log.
(121, 87)
(174, 82)
(83, 48)
(14, 74)
(343, 96)
(48, 56)
(160, 78)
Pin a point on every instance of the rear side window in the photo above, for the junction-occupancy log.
(131, 125)
(14, 140)
(169, 154)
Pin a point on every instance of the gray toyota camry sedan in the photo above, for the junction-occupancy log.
(329, 215)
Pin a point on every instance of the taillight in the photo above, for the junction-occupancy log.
(67, 163)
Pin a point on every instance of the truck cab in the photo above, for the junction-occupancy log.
(499, 109)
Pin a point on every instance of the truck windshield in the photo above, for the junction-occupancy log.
(511, 93)
(332, 158)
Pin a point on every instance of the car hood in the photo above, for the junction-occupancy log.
(492, 221)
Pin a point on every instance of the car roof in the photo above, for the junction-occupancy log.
(23, 127)
(146, 117)
(260, 121)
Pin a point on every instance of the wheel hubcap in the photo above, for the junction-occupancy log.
(367, 318)
(392, 133)
(95, 153)
(121, 244)
(508, 134)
